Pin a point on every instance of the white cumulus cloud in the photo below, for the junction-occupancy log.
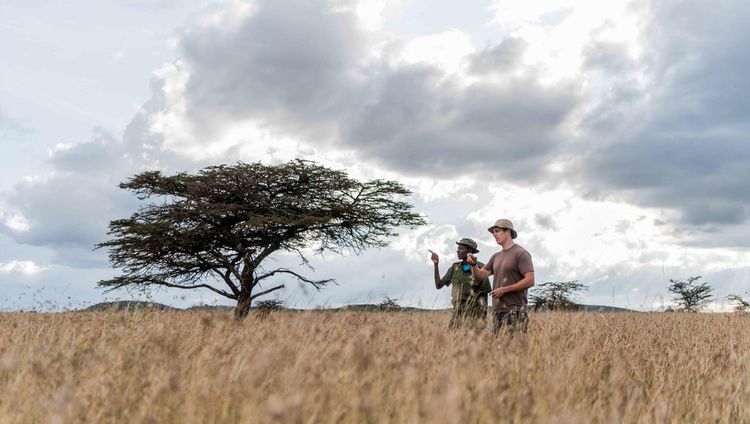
(14, 221)
(20, 267)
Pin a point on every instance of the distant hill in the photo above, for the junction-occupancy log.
(210, 308)
(133, 305)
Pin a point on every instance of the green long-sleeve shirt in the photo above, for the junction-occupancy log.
(465, 290)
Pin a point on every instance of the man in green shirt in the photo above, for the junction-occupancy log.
(469, 295)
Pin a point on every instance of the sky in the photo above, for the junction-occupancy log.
(615, 135)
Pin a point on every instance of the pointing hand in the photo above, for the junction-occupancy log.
(434, 257)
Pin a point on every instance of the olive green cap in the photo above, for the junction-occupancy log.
(506, 224)
(471, 244)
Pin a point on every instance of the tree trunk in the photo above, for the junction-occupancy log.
(245, 298)
(243, 306)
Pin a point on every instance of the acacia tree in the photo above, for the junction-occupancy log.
(557, 295)
(740, 304)
(216, 229)
(690, 295)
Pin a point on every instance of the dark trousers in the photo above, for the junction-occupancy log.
(512, 321)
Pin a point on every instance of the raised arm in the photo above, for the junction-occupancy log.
(480, 274)
(436, 260)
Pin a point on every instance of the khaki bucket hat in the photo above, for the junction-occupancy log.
(504, 223)
(471, 244)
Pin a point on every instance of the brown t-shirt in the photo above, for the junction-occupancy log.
(507, 267)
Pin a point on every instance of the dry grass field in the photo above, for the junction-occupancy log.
(165, 367)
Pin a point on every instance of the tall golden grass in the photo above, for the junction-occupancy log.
(164, 367)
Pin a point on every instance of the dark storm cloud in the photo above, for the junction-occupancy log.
(290, 61)
(546, 222)
(70, 210)
(704, 177)
(683, 140)
(418, 123)
(300, 67)
(94, 157)
(608, 56)
(500, 58)
(678, 142)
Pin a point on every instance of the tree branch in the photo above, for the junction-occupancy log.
(317, 284)
(198, 286)
(225, 277)
(281, 286)
(229, 265)
(121, 282)
(264, 254)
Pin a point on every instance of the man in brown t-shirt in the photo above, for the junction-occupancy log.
(512, 275)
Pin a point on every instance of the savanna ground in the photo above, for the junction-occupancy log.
(316, 366)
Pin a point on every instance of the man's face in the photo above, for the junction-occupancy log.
(501, 235)
(461, 251)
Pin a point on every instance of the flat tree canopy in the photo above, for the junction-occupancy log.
(690, 295)
(215, 229)
(740, 304)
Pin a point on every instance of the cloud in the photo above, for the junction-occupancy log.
(95, 157)
(415, 244)
(69, 209)
(68, 213)
(318, 75)
(503, 57)
(680, 140)
(607, 56)
(20, 267)
(14, 222)
(546, 221)
(573, 101)
(420, 124)
(291, 62)
(445, 50)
